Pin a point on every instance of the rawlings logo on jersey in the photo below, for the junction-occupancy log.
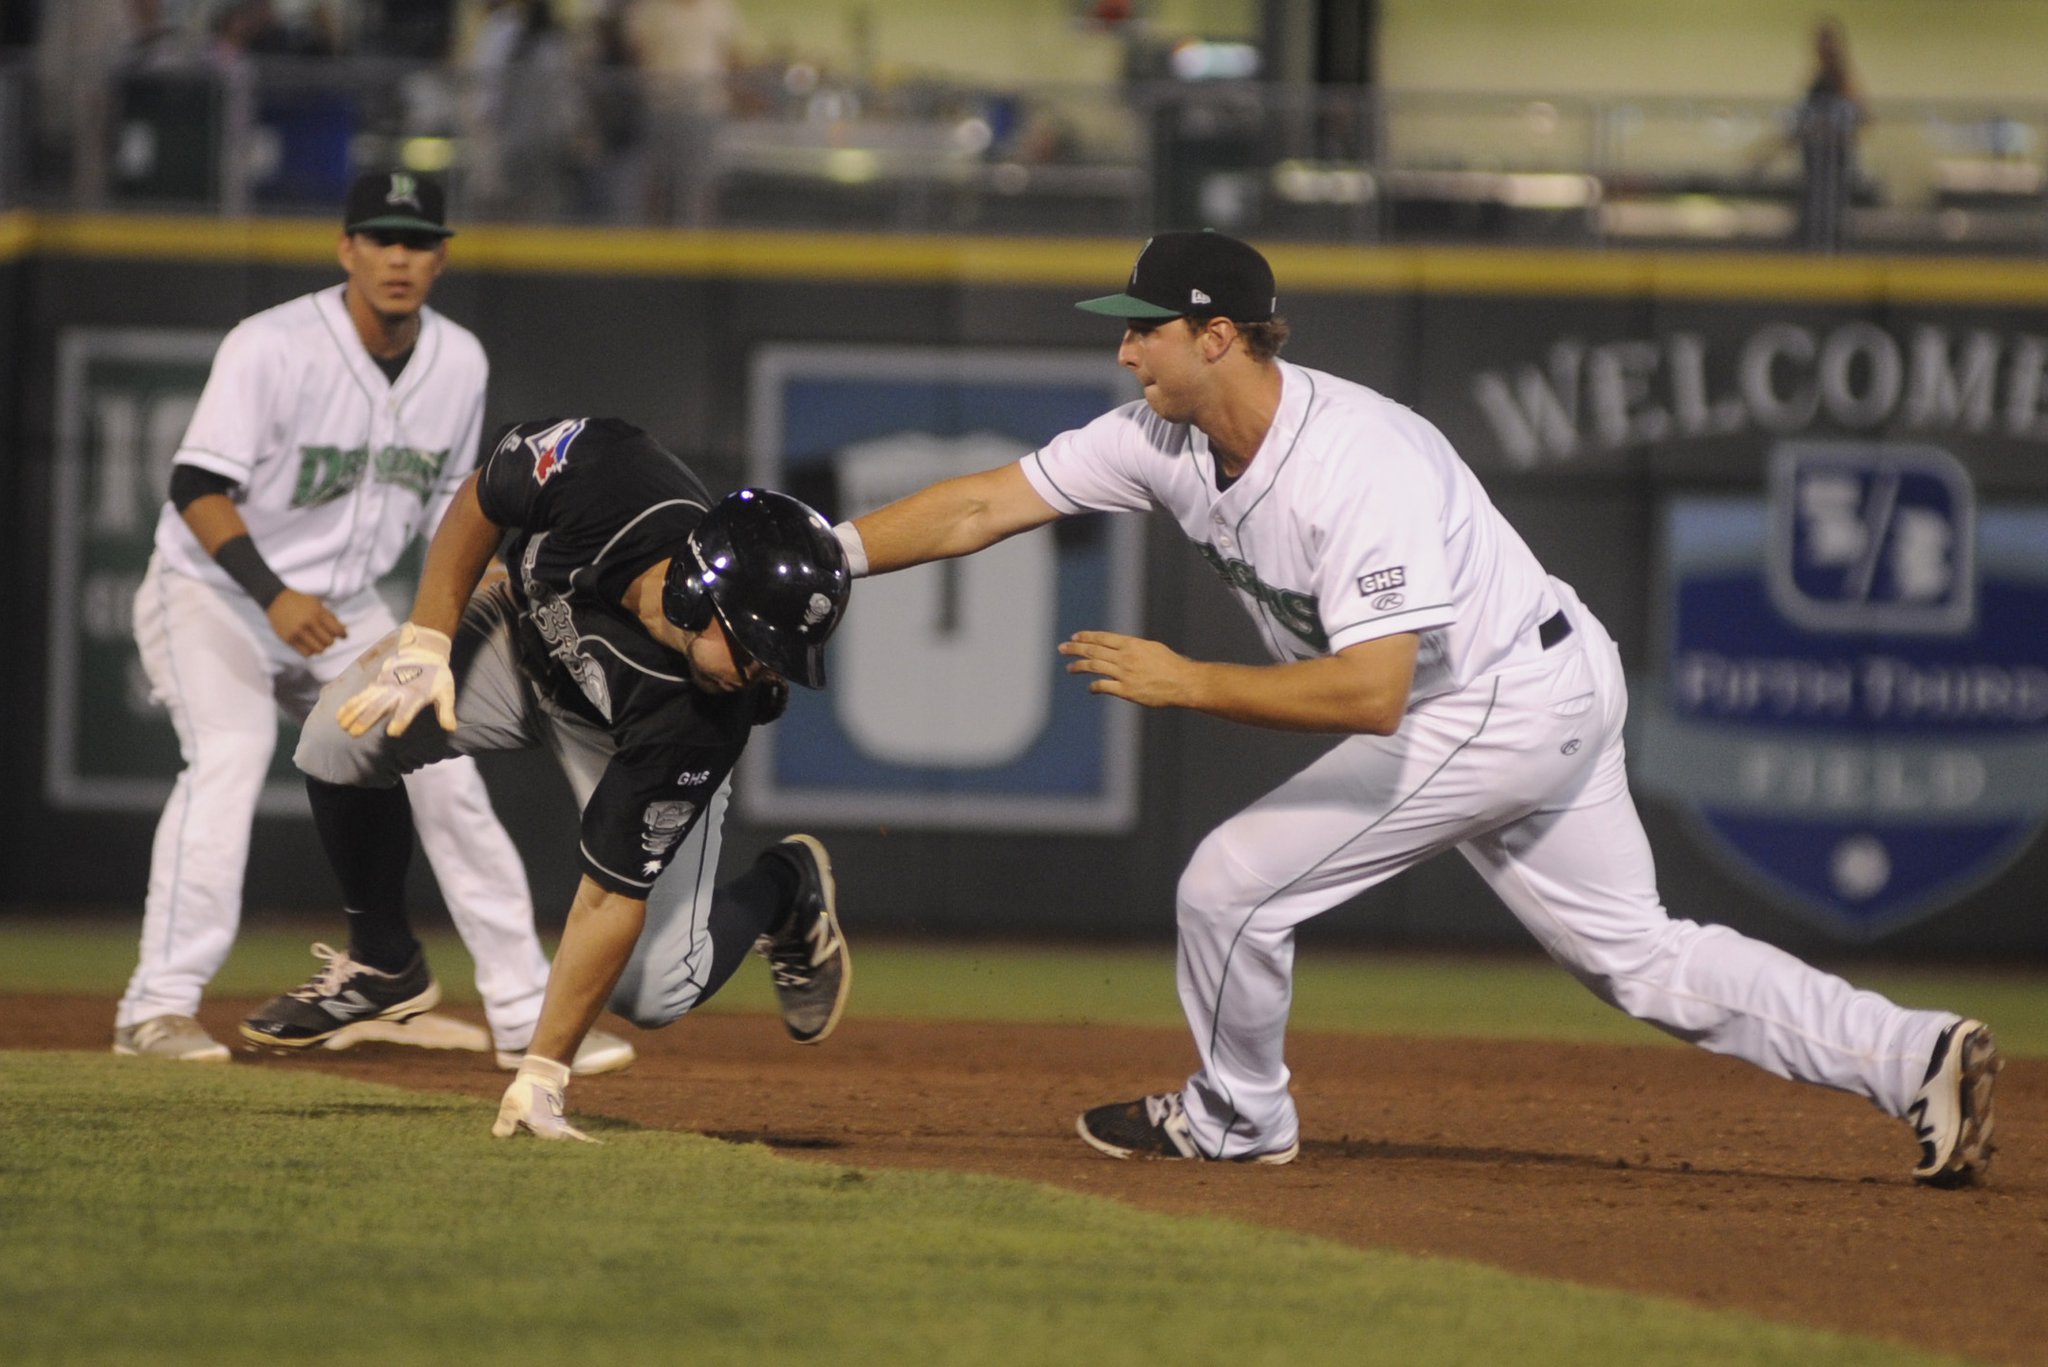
(1297, 612)
(1379, 581)
(551, 448)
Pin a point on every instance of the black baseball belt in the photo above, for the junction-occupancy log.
(1554, 629)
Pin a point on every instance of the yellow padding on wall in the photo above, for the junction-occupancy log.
(1083, 263)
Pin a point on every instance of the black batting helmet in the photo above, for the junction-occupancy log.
(772, 571)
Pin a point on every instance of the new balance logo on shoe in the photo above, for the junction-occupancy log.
(343, 995)
(348, 1005)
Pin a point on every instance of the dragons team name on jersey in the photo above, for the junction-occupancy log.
(1295, 611)
(340, 467)
(329, 472)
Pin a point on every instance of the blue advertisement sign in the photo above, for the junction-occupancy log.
(1854, 691)
(948, 706)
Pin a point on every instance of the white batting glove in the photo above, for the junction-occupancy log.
(533, 1103)
(414, 674)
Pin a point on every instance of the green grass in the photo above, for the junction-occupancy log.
(243, 1215)
(1501, 998)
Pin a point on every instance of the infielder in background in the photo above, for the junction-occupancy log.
(1480, 702)
(331, 429)
(642, 634)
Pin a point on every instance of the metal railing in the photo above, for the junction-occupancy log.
(783, 148)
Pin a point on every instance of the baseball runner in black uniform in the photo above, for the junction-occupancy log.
(643, 631)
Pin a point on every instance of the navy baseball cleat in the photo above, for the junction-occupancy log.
(808, 955)
(1156, 1127)
(1951, 1113)
(338, 996)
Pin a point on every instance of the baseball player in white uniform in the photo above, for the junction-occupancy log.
(1479, 701)
(331, 430)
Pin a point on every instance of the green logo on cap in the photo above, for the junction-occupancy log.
(404, 190)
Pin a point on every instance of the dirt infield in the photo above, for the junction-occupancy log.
(1654, 1170)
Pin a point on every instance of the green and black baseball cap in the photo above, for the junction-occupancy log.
(1194, 275)
(397, 202)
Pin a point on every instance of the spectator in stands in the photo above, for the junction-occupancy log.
(256, 28)
(527, 122)
(78, 44)
(1825, 129)
(615, 188)
(687, 49)
(414, 30)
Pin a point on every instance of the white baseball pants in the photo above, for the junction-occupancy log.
(1522, 772)
(214, 663)
(498, 708)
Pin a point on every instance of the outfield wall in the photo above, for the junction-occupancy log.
(1808, 497)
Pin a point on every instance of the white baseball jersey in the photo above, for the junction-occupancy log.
(338, 466)
(1355, 520)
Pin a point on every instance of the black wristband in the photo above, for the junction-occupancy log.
(245, 565)
(189, 484)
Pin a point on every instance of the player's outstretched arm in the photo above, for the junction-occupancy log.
(456, 559)
(596, 943)
(951, 518)
(597, 940)
(1361, 690)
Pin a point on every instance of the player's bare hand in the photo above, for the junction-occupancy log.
(414, 674)
(1130, 667)
(303, 622)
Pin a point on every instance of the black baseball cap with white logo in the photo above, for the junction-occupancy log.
(1194, 275)
(396, 202)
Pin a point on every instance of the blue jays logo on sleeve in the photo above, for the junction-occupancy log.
(1855, 691)
(550, 448)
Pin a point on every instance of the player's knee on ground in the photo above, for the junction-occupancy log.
(648, 1001)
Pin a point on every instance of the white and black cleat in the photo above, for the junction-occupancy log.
(1951, 1113)
(808, 957)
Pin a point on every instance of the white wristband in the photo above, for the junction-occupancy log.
(856, 549)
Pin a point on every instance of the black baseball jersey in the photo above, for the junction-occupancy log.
(591, 504)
